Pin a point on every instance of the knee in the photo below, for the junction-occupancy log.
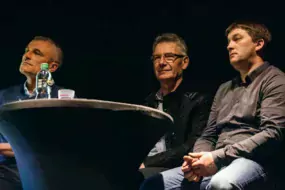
(220, 183)
(154, 182)
(170, 179)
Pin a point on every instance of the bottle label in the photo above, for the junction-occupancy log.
(42, 83)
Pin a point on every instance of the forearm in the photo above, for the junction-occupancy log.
(6, 150)
(5, 147)
(204, 145)
(261, 145)
(7, 153)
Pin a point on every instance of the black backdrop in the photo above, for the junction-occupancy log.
(107, 45)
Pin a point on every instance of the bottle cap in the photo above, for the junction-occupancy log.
(44, 66)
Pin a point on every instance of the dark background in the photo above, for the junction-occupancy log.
(107, 44)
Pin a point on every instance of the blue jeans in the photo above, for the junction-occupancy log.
(240, 174)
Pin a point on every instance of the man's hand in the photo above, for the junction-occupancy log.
(191, 176)
(142, 166)
(187, 169)
(187, 164)
(205, 165)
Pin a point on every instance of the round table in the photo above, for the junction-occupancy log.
(80, 143)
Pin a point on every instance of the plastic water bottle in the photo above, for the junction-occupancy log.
(43, 82)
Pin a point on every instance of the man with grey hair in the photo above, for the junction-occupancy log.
(188, 107)
(39, 50)
(242, 145)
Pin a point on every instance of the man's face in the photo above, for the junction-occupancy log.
(241, 47)
(168, 61)
(36, 53)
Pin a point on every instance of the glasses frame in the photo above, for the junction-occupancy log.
(176, 56)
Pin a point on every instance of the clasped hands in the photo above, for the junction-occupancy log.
(197, 165)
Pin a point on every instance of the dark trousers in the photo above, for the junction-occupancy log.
(150, 171)
(9, 178)
(146, 173)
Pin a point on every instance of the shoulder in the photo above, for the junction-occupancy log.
(149, 100)
(274, 74)
(11, 91)
(225, 86)
(275, 70)
(197, 98)
(197, 93)
(201, 98)
(10, 94)
(223, 89)
(273, 80)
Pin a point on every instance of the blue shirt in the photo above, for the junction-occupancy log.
(18, 93)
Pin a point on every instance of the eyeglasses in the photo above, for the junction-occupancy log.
(168, 57)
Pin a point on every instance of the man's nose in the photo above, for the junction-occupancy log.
(27, 55)
(230, 46)
(162, 63)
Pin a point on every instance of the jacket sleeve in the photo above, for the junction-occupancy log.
(196, 123)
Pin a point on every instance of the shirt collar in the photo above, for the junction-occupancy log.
(26, 91)
(158, 96)
(258, 71)
(172, 96)
(251, 76)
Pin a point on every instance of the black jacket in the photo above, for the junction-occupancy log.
(190, 111)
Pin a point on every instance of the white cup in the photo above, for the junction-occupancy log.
(66, 94)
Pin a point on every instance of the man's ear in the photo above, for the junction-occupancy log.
(185, 62)
(259, 44)
(53, 66)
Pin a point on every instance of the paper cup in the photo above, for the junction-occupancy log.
(66, 94)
